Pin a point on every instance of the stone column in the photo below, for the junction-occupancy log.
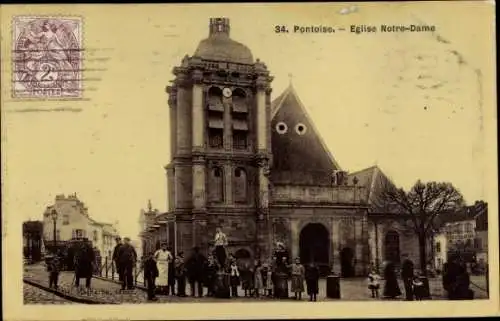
(335, 245)
(228, 126)
(172, 103)
(262, 144)
(198, 112)
(228, 184)
(199, 191)
(358, 250)
(262, 121)
(295, 235)
(183, 114)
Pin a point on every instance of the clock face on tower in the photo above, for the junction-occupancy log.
(227, 92)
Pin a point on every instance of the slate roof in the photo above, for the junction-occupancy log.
(294, 153)
(375, 181)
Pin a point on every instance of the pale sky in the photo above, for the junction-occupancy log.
(411, 103)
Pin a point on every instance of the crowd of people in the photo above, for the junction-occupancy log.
(221, 272)
(455, 279)
(165, 274)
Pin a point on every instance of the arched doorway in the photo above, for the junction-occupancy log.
(347, 262)
(314, 245)
(391, 246)
(242, 254)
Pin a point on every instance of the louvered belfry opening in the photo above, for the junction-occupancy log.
(215, 118)
(240, 118)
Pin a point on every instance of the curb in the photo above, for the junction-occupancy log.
(64, 295)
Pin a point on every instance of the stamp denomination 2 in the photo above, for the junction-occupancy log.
(47, 57)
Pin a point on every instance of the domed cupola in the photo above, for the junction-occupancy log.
(220, 47)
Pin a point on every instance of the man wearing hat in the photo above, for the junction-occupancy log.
(127, 258)
(115, 258)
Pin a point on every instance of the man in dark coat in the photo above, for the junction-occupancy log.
(180, 274)
(84, 263)
(407, 275)
(115, 258)
(171, 275)
(127, 258)
(150, 275)
(195, 266)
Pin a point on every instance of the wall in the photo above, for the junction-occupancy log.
(408, 241)
(441, 255)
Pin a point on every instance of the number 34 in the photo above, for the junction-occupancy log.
(280, 29)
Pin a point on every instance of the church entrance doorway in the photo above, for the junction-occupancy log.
(392, 251)
(347, 262)
(314, 245)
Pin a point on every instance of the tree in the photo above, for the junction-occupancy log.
(422, 205)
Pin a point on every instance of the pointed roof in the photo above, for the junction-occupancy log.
(290, 100)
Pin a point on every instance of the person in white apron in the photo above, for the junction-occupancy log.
(162, 257)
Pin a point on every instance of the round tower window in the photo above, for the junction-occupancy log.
(281, 128)
(301, 129)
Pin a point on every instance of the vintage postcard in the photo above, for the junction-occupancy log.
(248, 161)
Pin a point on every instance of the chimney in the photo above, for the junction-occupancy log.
(219, 27)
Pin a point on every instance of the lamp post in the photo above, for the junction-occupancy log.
(53, 215)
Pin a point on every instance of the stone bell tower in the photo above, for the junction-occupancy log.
(220, 145)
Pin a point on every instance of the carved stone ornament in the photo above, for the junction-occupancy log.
(197, 76)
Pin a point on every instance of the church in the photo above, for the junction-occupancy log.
(257, 167)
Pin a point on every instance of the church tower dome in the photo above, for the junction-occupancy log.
(220, 47)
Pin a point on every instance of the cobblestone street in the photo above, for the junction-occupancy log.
(34, 295)
(106, 291)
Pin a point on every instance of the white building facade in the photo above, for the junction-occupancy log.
(73, 222)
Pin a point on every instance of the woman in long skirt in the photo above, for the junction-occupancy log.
(312, 280)
(298, 273)
(391, 287)
(258, 281)
(268, 280)
(163, 257)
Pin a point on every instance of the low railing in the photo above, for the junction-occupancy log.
(108, 270)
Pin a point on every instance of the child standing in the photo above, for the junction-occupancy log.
(418, 288)
(53, 268)
(374, 283)
(235, 279)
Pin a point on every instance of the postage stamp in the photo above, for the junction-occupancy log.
(47, 57)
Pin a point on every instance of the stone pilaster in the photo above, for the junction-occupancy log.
(358, 250)
(262, 121)
(335, 247)
(295, 235)
(198, 112)
(183, 114)
(228, 184)
(199, 192)
(172, 103)
(228, 126)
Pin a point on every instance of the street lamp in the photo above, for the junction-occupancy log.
(53, 215)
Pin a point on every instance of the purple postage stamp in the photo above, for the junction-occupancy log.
(47, 57)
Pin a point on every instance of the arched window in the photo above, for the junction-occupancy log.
(240, 186)
(216, 185)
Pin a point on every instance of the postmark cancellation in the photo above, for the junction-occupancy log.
(47, 57)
